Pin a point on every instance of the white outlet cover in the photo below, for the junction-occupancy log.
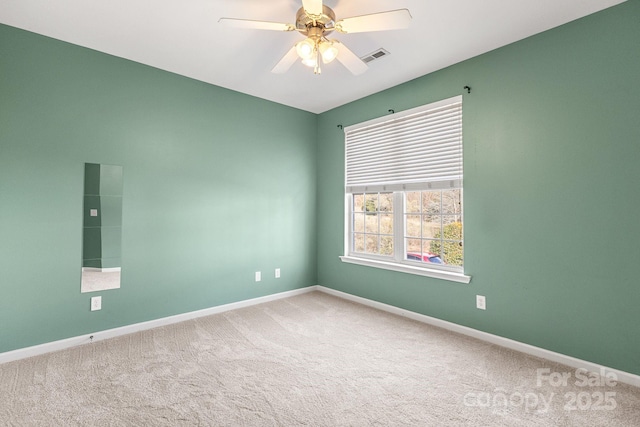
(96, 303)
(277, 273)
(481, 302)
(258, 276)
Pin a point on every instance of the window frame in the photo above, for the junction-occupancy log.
(398, 261)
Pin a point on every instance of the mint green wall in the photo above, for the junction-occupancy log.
(551, 151)
(217, 185)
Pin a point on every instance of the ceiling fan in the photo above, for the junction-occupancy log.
(316, 21)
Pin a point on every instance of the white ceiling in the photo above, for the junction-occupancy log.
(184, 37)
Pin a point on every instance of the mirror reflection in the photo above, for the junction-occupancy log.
(102, 227)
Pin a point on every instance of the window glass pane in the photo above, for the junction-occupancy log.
(428, 255)
(358, 202)
(386, 202)
(452, 202)
(358, 242)
(371, 203)
(413, 256)
(431, 202)
(413, 225)
(412, 202)
(358, 222)
(372, 244)
(386, 224)
(371, 223)
(435, 235)
(452, 227)
(431, 226)
(453, 253)
(386, 245)
(434, 247)
(414, 247)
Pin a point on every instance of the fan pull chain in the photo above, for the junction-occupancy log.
(317, 69)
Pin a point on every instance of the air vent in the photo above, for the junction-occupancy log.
(380, 53)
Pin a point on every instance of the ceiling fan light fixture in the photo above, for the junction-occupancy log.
(328, 51)
(314, 63)
(315, 21)
(306, 48)
(310, 62)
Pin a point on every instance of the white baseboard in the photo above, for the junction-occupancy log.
(36, 350)
(622, 376)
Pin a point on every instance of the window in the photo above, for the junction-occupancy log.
(433, 226)
(373, 223)
(403, 192)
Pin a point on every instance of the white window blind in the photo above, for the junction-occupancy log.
(419, 148)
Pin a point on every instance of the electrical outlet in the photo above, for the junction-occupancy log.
(258, 276)
(481, 302)
(277, 273)
(96, 303)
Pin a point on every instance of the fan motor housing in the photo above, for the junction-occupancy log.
(309, 24)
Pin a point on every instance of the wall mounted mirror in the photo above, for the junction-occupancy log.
(101, 227)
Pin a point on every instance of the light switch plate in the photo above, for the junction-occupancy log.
(258, 276)
(277, 273)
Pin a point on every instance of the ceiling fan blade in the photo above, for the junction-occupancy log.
(255, 25)
(349, 59)
(286, 62)
(312, 7)
(391, 20)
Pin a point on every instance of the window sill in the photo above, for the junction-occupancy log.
(437, 274)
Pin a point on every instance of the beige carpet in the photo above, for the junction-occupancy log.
(309, 360)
